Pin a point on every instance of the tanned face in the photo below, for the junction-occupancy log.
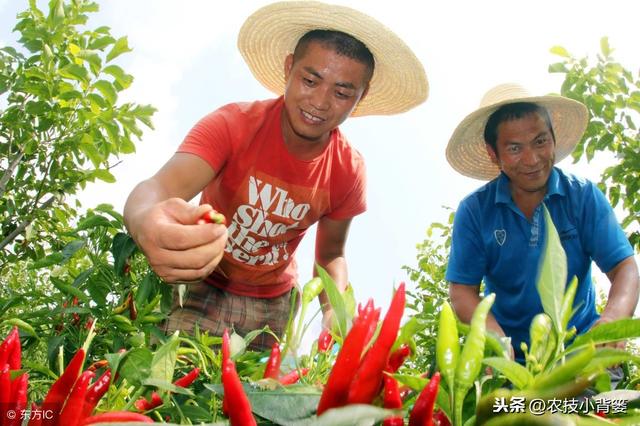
(525, 152)
(322, 89)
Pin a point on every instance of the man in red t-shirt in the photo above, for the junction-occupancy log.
(273, 167)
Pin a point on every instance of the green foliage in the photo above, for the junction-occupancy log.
(431, 289)
(612, 95)
(62, 125)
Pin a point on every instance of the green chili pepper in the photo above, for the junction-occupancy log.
(470, 362)
(311, 290)
(539, 331)
(565, 372)
(447, 345)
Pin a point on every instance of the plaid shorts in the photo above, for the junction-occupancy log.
(214, 310)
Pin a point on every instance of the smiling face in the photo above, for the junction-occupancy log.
(525, 153)
(322, 89)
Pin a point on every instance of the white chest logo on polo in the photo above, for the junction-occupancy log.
(501, 236)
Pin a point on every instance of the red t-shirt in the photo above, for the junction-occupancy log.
(269, 197)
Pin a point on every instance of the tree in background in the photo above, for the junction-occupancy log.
(612, 95)
(61, 124)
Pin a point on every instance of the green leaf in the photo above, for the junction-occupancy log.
(68, 289)
(558, 67)
(164, 385)
(351, 415)
(50, 260)
(514, 372)
(102, 42)
(552, 277)
(560, 51)
(293, 403)
(121, 46)
(622, 329)
(93, 222)
(608, 357)
(145, 288)
(604, 46)
(122, 248)
(74, 72)
(136, 365)
(72, 248)
(92, 57)
(335, 300)
(107, 90)
(122, 78)
(164, 359)
(104, 175)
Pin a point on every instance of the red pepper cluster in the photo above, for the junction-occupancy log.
(70, 400)
(357, 378)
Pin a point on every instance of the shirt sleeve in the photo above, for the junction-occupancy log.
(603, 237)
(355, 201)
(210, 139)
(467, 258)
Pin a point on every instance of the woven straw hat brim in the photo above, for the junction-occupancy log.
(399, 82)
(466, 150)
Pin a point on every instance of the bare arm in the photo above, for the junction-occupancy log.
(331, 237)
(465, 299)
(162, 222)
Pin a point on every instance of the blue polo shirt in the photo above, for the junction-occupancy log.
(493, 241)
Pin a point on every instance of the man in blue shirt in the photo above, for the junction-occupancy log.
(514, 140)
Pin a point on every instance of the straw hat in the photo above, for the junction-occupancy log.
(466, 150)
(399, 82)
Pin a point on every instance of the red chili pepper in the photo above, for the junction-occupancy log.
(71, 414)
(5, 391)
(422, 412)
(392, 399)
(226, 347)
(95, 393)
(11, 351)
(75, 315)
(60, 389)
(293, 376)
(325, 340)
(367, 381)
(440, 419)
(212, 216)
(336, 390)
(272, 369)
(18, 399)
(88, 324)
(145, 405)
(133, 312)
(240, 414)
(188, 378)
(35, 420)
(226, 355)
(117, 417)
(397, 358)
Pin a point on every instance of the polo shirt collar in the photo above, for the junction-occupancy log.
(503, 192)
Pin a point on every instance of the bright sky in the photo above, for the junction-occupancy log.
(186, 64)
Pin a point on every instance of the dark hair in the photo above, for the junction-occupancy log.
(342, 43)
(513, 111)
